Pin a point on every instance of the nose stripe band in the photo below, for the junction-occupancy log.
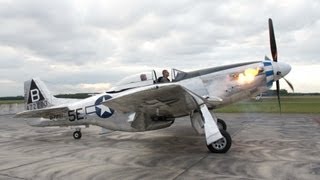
(267, 64)
(269, 84)
(269, 73)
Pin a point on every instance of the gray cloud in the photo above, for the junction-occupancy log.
(74, 42)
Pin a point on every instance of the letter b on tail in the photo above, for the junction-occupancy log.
(35, 95)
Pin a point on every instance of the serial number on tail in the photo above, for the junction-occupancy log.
(37, 105)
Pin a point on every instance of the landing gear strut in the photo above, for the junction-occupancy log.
(222, 145)
(77, 134)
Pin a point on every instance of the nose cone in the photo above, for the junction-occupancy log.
(284, 68)
(280, 70)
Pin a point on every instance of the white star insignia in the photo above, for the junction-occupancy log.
(104, 109)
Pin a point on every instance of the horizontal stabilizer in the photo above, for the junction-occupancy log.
(48, 113)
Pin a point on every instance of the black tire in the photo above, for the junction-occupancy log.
(77, 135)
(222, 145)
(222, 124)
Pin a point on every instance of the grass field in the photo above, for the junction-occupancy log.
(289, 104)
(10, 101)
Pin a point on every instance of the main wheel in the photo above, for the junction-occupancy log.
(77, 135)
(221, 124)
(223, 144)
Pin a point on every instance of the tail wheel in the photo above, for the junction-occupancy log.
(221, 124)
(223, 144)
(77, 135)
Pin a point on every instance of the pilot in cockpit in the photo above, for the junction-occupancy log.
(164, 78)
(143, 77)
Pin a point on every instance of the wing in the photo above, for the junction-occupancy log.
(43, 113)
(163, 100)
(169, 100)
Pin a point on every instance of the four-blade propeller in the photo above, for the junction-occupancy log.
(274, 53)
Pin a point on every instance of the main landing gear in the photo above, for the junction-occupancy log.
(218, 140)
(223, 144)
(77, 134)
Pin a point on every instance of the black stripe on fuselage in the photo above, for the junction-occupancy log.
(201, 72)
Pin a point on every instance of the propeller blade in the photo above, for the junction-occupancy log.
(273, 44)
(289, 83)
(278, 94)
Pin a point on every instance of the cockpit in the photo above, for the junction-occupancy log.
(145, 79)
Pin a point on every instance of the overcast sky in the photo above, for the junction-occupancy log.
(87, 46)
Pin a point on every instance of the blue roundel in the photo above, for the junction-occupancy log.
(102, 110)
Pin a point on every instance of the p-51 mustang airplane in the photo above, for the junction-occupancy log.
(143, 104)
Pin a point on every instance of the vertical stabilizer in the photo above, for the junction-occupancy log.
(36, 95)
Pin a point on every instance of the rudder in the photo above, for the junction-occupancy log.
(36, 95)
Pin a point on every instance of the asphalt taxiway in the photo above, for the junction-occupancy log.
(265, 146)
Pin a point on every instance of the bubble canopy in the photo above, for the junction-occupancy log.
(135, 80)
(143, 79)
